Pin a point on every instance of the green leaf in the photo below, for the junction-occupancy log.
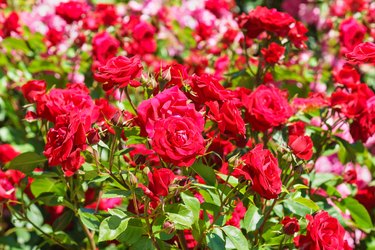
(206, 172)
(193, 204)
(236, 237)
(296, 208)
(63, 221)
(26, 162)
(180, 215)
(47, 185)
(133, 232)
(252, 219)
(116, 193)
(307, 203)
(143, 243)
(359, 214)
(112, 227)
(89, 219)
(215, 239)
(11, 43)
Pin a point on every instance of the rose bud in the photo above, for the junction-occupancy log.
(290, 225)
(350, 176)
(33, 90)
(93, 136)
(168, 227)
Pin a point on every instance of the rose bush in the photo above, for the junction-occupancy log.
(187, 124)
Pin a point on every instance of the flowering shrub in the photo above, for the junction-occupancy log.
(187, 124)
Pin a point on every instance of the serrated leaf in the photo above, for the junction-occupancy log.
(180, 215)
(47, 185)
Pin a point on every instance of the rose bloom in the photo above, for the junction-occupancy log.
(351, 33)
(263, 19)
(263, 170)
(296, 128)
(174, 74)
(207, 88)
(7, 153)
(273, 53)
(290, 225)
(11, 24)
(347, 76)
(104, 47)
(170, 102)
(65, 142)
(71, 11)
(301, 146)
(228, 118)
(119, 71)
(323, 232)
(362, 53)
(159, 181)
(64, 101)
(32, 90)
(267, 107)
(178, 140)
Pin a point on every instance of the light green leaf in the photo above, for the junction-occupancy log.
(359, 214)
(236, 237)
(252, 219)
(112, 227)
(192, 203)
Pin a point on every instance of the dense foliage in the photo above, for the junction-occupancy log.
(197, 124)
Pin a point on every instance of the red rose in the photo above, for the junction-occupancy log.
(174, 74)
(323, 232)
(64, 101)
(7, 153)
(178, 140)
(32, 90)
(363, 127)
(143, 35)
(297, 128)
(207, 88)
(119, 71)
(347, 76)
(11, 24)
(228, 118)
(362, 53)
(170, 102)
(267, 107)
(65, 142)
(71, 11)
(107, 13)
(313, 101)
(301, 146)
(104, 47)
(54, 36)
(7, 189)
(297, 34)
(263, 169)
(159, 181)
(237, 215)
(8, 180)
(366, 196)
(290, 225)
(263, 19)
(351, 33)
(273, 53)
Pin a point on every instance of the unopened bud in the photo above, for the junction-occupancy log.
(168, 227)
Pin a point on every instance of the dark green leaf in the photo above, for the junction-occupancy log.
(89, 219)
(63, 221)
(206, 172)
(26, 162)
(215, 239)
